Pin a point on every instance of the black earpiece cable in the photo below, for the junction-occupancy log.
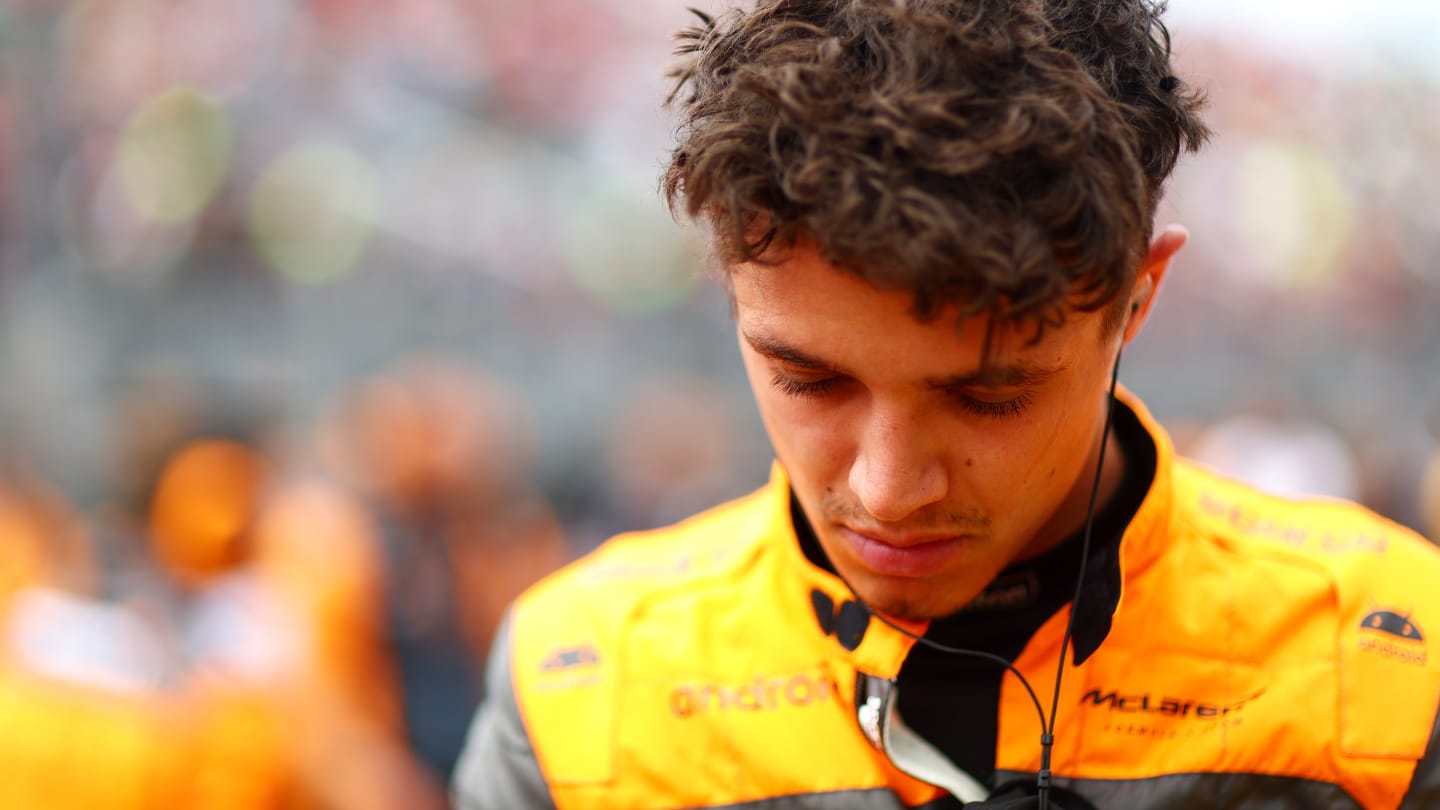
(1047, 740)
(945, 648)
(1047, 727)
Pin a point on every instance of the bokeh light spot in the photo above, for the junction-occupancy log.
(173, 155)
(1293, 214)
(628, 255)
(312, 212)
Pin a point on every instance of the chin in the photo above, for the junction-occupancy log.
(907, 602)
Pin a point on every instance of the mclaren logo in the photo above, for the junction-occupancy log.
(1393, 635)
(1116, 701)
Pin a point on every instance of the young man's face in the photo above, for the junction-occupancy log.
(922, 478)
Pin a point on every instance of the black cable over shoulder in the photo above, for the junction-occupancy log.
(1047, 738)
(972, 653)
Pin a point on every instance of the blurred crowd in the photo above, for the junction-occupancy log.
(328, 326)
(239, 631)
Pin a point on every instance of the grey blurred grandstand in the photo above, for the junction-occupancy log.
(251, 205)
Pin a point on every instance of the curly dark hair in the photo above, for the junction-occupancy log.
(1004, 155)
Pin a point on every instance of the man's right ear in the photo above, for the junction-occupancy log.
(1144, 288)
(1152, 272)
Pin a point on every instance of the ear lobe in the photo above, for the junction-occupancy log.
(1152, 272)
(1144, 286)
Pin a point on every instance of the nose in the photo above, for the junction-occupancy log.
(896, 470)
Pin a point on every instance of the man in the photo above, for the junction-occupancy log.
(975, 575)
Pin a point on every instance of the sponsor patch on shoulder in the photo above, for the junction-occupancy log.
(1249, 520)
(761, 693)
(1394, 635)
(679, 565)
(570, 658)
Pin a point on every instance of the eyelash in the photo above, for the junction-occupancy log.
(994, 410)
(796, 388)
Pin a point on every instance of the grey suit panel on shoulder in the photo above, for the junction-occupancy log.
(865, 799)
(498, 769)
(1208, 791)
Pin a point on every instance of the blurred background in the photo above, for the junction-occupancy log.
(327, 326)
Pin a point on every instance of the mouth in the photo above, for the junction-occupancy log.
(911, 556)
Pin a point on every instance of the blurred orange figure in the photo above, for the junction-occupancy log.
(268, 687)
(442, 457)
(294, 642)
(65, 743)
(41, 540)
(1430, 498)
(287, 639)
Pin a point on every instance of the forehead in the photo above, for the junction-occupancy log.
(805, 302)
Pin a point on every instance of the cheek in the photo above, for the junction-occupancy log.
(1018, 460)
(811, 441)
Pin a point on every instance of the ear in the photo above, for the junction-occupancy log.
(1152, 272)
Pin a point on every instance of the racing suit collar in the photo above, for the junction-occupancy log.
(827, 602)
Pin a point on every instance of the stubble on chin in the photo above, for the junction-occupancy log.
(913, 607)
(907, 612)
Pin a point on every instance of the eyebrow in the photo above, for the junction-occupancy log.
(776, 349)
(1019, 373)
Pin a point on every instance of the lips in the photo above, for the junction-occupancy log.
(903, 557)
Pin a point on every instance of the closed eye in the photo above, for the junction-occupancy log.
(802, 388)
(1002, 409)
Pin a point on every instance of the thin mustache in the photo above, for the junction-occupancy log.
(970, 521)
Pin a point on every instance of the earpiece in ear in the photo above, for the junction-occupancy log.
(1141, 295)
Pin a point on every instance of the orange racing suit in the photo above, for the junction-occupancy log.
(1261, 653)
